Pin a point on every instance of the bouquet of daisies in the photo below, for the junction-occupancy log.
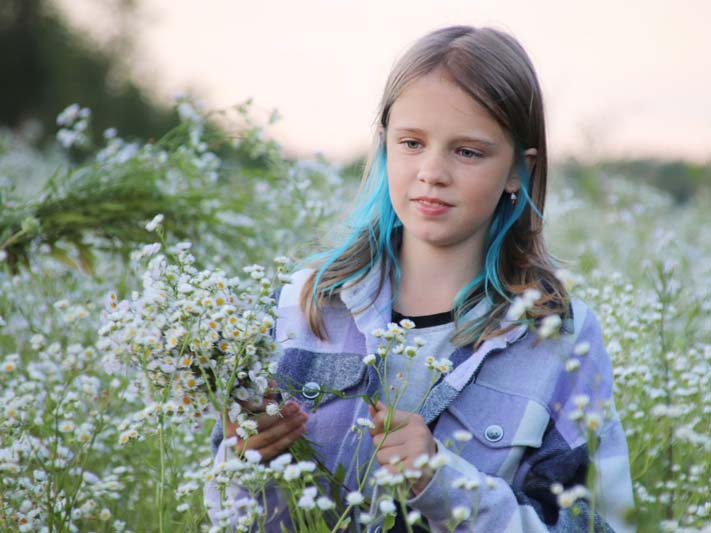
(200, 337)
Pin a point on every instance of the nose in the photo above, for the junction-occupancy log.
(433, 170)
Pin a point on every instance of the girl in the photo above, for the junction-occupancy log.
(447, 232)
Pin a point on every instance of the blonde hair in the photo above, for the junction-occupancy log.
(494, 69)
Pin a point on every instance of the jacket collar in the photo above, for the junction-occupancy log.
(371, 311)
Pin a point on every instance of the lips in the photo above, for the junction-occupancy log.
(431, 207)
(434, 202)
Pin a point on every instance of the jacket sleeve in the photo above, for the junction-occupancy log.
(528, 504)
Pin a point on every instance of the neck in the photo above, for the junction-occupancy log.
(431, 276)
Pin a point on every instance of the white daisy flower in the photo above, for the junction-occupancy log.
(153, 224)
(387, 507)
(354, 498)
(460, 513)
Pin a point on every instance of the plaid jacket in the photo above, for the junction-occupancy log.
(513, 394)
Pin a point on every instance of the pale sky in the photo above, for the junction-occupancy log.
(620, 78)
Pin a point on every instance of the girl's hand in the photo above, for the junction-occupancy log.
(408, 438)
(275, 433)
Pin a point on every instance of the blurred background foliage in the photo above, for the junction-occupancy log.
(96, 195)
(682, 179)
(47, 64)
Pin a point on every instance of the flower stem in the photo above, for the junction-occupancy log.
(159, 488)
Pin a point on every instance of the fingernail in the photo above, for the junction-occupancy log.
(291, 408)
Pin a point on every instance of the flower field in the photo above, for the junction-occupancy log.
(86, 443)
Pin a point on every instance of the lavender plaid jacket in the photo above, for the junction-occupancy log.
(513, 394)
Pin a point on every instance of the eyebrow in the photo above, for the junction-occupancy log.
(458, 138)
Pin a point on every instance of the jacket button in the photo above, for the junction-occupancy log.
(310, 390)
(494, 433)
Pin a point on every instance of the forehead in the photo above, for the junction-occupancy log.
(436, 104)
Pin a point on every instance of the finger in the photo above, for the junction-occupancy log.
(387, 454)
(398, 420)
(402, 418)
(377, 439)
(256, 407)
(396, 438)
(382, 457)
(277, 431)
(404, 421)
(378, 421)
(282, 443)
(265, 421)
(263, 439)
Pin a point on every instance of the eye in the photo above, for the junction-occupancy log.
(469, 154)
(409, 144)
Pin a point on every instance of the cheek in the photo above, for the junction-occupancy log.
(486, 184)
(483, 199)
(400, 170)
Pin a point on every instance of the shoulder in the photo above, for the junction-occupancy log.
(581, 344)
(586, 329)
(291, 292)
(291, 314)
(552, 366)
(587, 367)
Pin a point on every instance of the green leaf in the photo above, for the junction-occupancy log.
(335, 487)
(62, 256)
(86, 257)
(340, 474)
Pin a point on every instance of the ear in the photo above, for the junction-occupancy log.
(514, 182)
(381, 134)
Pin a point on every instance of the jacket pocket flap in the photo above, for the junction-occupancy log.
(499, 419)
(317, 377)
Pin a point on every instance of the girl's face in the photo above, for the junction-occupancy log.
(448, 164)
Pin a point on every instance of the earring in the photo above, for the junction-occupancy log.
(513, 198)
